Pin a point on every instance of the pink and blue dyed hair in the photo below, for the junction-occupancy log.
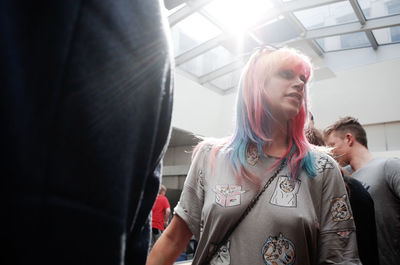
(254, 119)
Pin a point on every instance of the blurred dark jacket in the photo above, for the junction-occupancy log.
(363, 209)
(86, 102)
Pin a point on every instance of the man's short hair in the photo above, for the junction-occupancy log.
(348, 125)
(162, 188)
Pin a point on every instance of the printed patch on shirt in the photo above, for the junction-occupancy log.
(228, 195)
(201, 225)
(278, 250)
(344, 233)
(223, 256)
(323, 163)
(285, 193)
(340, 210)
(252, 154)
(200, 175)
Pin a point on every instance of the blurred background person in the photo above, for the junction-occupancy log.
(379, 176)
(160, 214)
(361, 204)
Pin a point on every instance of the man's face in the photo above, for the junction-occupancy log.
(341, 148)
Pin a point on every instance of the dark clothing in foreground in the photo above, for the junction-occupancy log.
(85, 109)
(364, 218)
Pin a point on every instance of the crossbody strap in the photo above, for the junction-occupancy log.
(245, 213)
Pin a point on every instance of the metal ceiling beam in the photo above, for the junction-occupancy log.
(196, 5)
(372, 39)
(214, 88)
(325, 32)
(306, 4)
(286, 9)
(299, 27)
(360, 15)
(190, 8)
(290, 7)
(354, 27)
(221, 71)
(230, 90)
(170, 4)
(213, 20)
(188, 75)
(358, 11)
(193, 6)
(196, 51)
(179, 15)
(237, 64)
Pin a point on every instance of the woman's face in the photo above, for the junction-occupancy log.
(285, 93)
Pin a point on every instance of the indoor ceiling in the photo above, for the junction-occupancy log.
(212, 39)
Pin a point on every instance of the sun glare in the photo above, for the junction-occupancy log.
(238, 15)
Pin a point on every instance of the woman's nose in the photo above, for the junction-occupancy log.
(299, 85)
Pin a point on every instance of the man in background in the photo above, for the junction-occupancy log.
(85, 114)
(160, 214)
(362, 207)
(381, 178)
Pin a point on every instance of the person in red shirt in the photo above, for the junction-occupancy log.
(160, 214)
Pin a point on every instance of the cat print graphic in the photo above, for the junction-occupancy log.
(228, 195)
(340, 210)
(323, 163)
(223, 256)
(278, 250)
(285, 193)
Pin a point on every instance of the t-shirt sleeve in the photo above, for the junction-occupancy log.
(338, 243)
(392, 173)
(190, 204)
(166, 203)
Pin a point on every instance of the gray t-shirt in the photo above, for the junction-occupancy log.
(306, 222)
(381, 177)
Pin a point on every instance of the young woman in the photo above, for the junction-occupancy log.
(302, 215)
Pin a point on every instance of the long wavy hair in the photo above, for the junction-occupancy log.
(254, 118)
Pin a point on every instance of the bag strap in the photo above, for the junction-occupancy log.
(245, 213)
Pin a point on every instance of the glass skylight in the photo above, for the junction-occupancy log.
(218, 33)
(387, 35)
(276, 31)
(327, 15)
(208, 62)
(192, 31)
(344, 42)
(173, 10)
(379, 8)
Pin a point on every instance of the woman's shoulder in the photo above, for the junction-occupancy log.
(209, 145)
(323, 160)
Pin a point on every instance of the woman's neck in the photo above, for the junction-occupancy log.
(279, 144)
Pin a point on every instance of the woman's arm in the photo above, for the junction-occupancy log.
(171, 244)
(337, 243)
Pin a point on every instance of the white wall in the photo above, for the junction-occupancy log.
(383, 139)
(200, 110)
(371, 93)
